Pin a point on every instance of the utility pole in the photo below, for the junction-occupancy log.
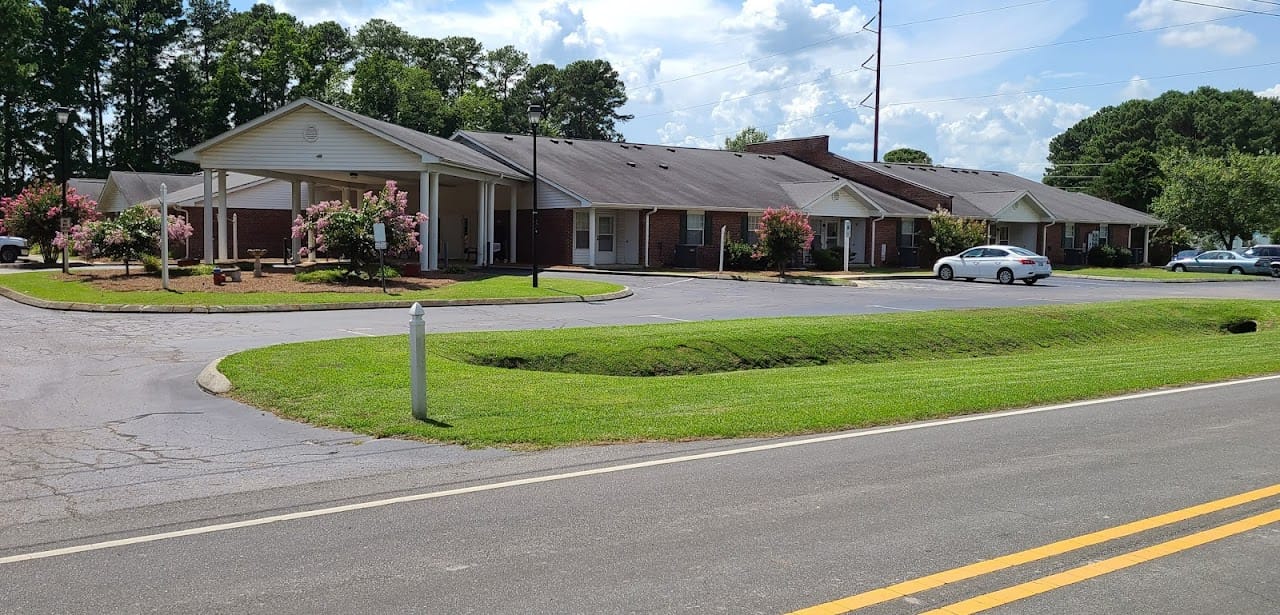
(879, 32)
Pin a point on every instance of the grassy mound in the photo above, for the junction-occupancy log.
(726, 346)
(896, 368)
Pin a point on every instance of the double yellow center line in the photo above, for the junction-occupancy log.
(1018, 592)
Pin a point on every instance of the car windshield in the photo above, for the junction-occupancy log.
(1021, 251)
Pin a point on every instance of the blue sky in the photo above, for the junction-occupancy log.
(975, 83)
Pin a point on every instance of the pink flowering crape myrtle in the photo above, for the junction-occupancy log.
(36, 214)
(346, 231)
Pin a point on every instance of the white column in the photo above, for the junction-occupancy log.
(424, 228)
(208, 217)
(511, 228)
(591, 237)
(311, 236)
(1146, 245)
(222, 215)
(490, 219)
(295, 208)
(435, 220)
(477, 233)
(346, 196)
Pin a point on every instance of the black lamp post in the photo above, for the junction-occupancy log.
(535, 116)
(64, 114)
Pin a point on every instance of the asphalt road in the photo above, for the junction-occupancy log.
(103, 436)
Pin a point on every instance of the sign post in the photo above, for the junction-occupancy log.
(164, 237)
(380, 244)
(65, 225)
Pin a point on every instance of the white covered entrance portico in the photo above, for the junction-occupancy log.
(470, 199)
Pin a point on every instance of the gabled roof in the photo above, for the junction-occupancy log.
(189, 195)
(134, 188)
(430, 147)
(975, 191)
(87, 186)
(635, 174)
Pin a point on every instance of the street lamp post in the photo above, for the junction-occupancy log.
(64, 114)
(535, 116)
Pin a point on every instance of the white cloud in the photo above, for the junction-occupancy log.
(1013, 137)
(1223, 39)
(1137, 88)
(1272, 92)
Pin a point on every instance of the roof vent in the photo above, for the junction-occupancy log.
(737, 154)
(631, 164)
(663, 165)
(637, 147)
(568, 142)
(625, 146)
(763, 157)
(671, 149)
(953, 170)
(995, 174)
(554, 140)
(508, 137)
(772, 158)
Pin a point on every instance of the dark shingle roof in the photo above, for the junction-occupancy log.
(976, 192)
(607, 172)
(87, 186)
(139, 187)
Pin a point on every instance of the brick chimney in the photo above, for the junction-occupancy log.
(808, 149)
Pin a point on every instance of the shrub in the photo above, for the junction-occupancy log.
(1124, 257)
(191, 270)
(346, 231)
(322, 276)
(741, 256)
(950, 234)
(783, 232)
(827, 260)
(36, 214)
(150, 264)
(1109, 256)
(127, 237)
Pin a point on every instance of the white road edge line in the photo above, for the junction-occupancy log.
(886, 307)
(320, 512)
(666, 318)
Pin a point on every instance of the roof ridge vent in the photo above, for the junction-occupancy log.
(663, 165)
(631, 164)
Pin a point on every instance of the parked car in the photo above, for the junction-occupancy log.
(1268, 253)
(1186, 254)
(1220, 261)
(1002, 263)
(11, 248)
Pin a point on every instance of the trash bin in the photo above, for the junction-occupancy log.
(687, 257)
(219, 276)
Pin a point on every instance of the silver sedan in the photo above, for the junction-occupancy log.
(1220, 261)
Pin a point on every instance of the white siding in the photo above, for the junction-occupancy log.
(844, 205)
(283, 144)
(550, 197)
(273, 194)
(1022, 210)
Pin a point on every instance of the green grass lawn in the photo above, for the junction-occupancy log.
(45, 285)
(1151, 273)
(757, 377)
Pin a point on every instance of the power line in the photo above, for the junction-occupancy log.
(822, 42)
(1229, 8)
(1000, 94)
(933, 60)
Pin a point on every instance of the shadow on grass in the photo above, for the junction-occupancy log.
(434, 423)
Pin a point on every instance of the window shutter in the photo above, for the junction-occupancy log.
(684, 228)
(707, 239)
(745, 230)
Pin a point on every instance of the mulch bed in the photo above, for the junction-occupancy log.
(268, 283)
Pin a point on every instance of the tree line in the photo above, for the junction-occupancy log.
(149, 78)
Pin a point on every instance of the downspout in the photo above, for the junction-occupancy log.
(872, 261)
(646, 235)
(1044, 237)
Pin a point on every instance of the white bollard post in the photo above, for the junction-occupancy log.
(235, 238)
(723, 230)
(418, 361)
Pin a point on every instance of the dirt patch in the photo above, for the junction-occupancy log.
(268, 283)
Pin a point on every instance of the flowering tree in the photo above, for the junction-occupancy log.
(127, 237)
(783, 232)
(36, 214)
(346, 231)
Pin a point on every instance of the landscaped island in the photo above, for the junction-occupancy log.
(756, 377)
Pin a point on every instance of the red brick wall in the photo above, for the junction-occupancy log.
(1053, 243)
(664, 234)
(887, 236)
(265, 229)
(555, 236)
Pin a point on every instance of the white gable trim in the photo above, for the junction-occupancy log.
(1007, 213)
(859, 196)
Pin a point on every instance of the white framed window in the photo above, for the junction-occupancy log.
(1002, 235)
(695, 225)
(752, 236)
(581, 230)
(1104, 235)
(908, 233)
(1069, 235)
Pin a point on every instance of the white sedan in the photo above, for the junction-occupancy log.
(1003, 263)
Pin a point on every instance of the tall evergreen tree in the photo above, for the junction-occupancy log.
(144, 31)
(19, 26)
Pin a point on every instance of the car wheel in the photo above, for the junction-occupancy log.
(8, 254)
(1030, 281)
(945, 272)
(1235, 271)
(1005, 276)
(1179, 268)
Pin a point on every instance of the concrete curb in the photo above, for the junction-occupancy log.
(1243, 278)
(301, 307)
(693, 275)
(212, 380)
